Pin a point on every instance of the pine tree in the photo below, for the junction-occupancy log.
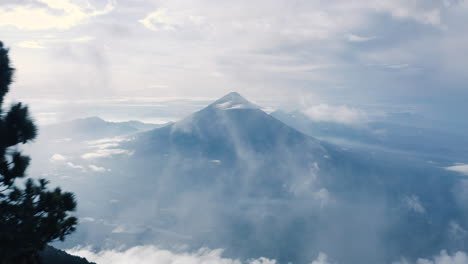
(31, 215)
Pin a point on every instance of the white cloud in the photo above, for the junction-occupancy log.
(104, 141)
(152, 255)
(97, 168)
(75, 166)
(336, 114)
(461, 168)
(413, 203)
(42, 44)
(105, 153)
(443, 258)
(357, 38)
(321, 259)
(41, 18)
(162, 19)
(31, 45)
(57, 158)
(104, 148)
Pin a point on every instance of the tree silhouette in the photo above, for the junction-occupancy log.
(31, 215)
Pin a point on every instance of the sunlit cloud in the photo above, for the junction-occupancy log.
(162, 19)
(460, 168)
(31, 45)
(43, 43)
(42, 18)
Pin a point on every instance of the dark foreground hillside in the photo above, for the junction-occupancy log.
(52, 255)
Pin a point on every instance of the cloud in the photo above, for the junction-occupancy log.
(75, 166)
(44, 17)
(336, 114)
(322, 196)
(163, 20)
(461, 168)
(105, 147)
(456, 231)
(413, 203)
(57, 158)
(321, 259)
(357, 38)
(97, 168)
(87, 219)
(31, 45)
(416, 10)
(42, 44)
(443, 258)
(105, 153)
(152, 255)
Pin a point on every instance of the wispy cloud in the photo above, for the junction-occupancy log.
(44, 42)
(461, 168)
(104, 148)
(163, 19)
(97, 168)
(76, 166)
(357, 38)
(337, 114)
(31, 45)
(413, 203)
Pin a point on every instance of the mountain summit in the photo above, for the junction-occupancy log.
(233, 101)
(228, 127)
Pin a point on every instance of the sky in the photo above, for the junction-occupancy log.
(351, 57)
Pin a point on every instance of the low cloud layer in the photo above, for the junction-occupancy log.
(153, 255)
(336, 114)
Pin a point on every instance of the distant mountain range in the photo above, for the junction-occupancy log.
(396, 131)
(94, 128)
